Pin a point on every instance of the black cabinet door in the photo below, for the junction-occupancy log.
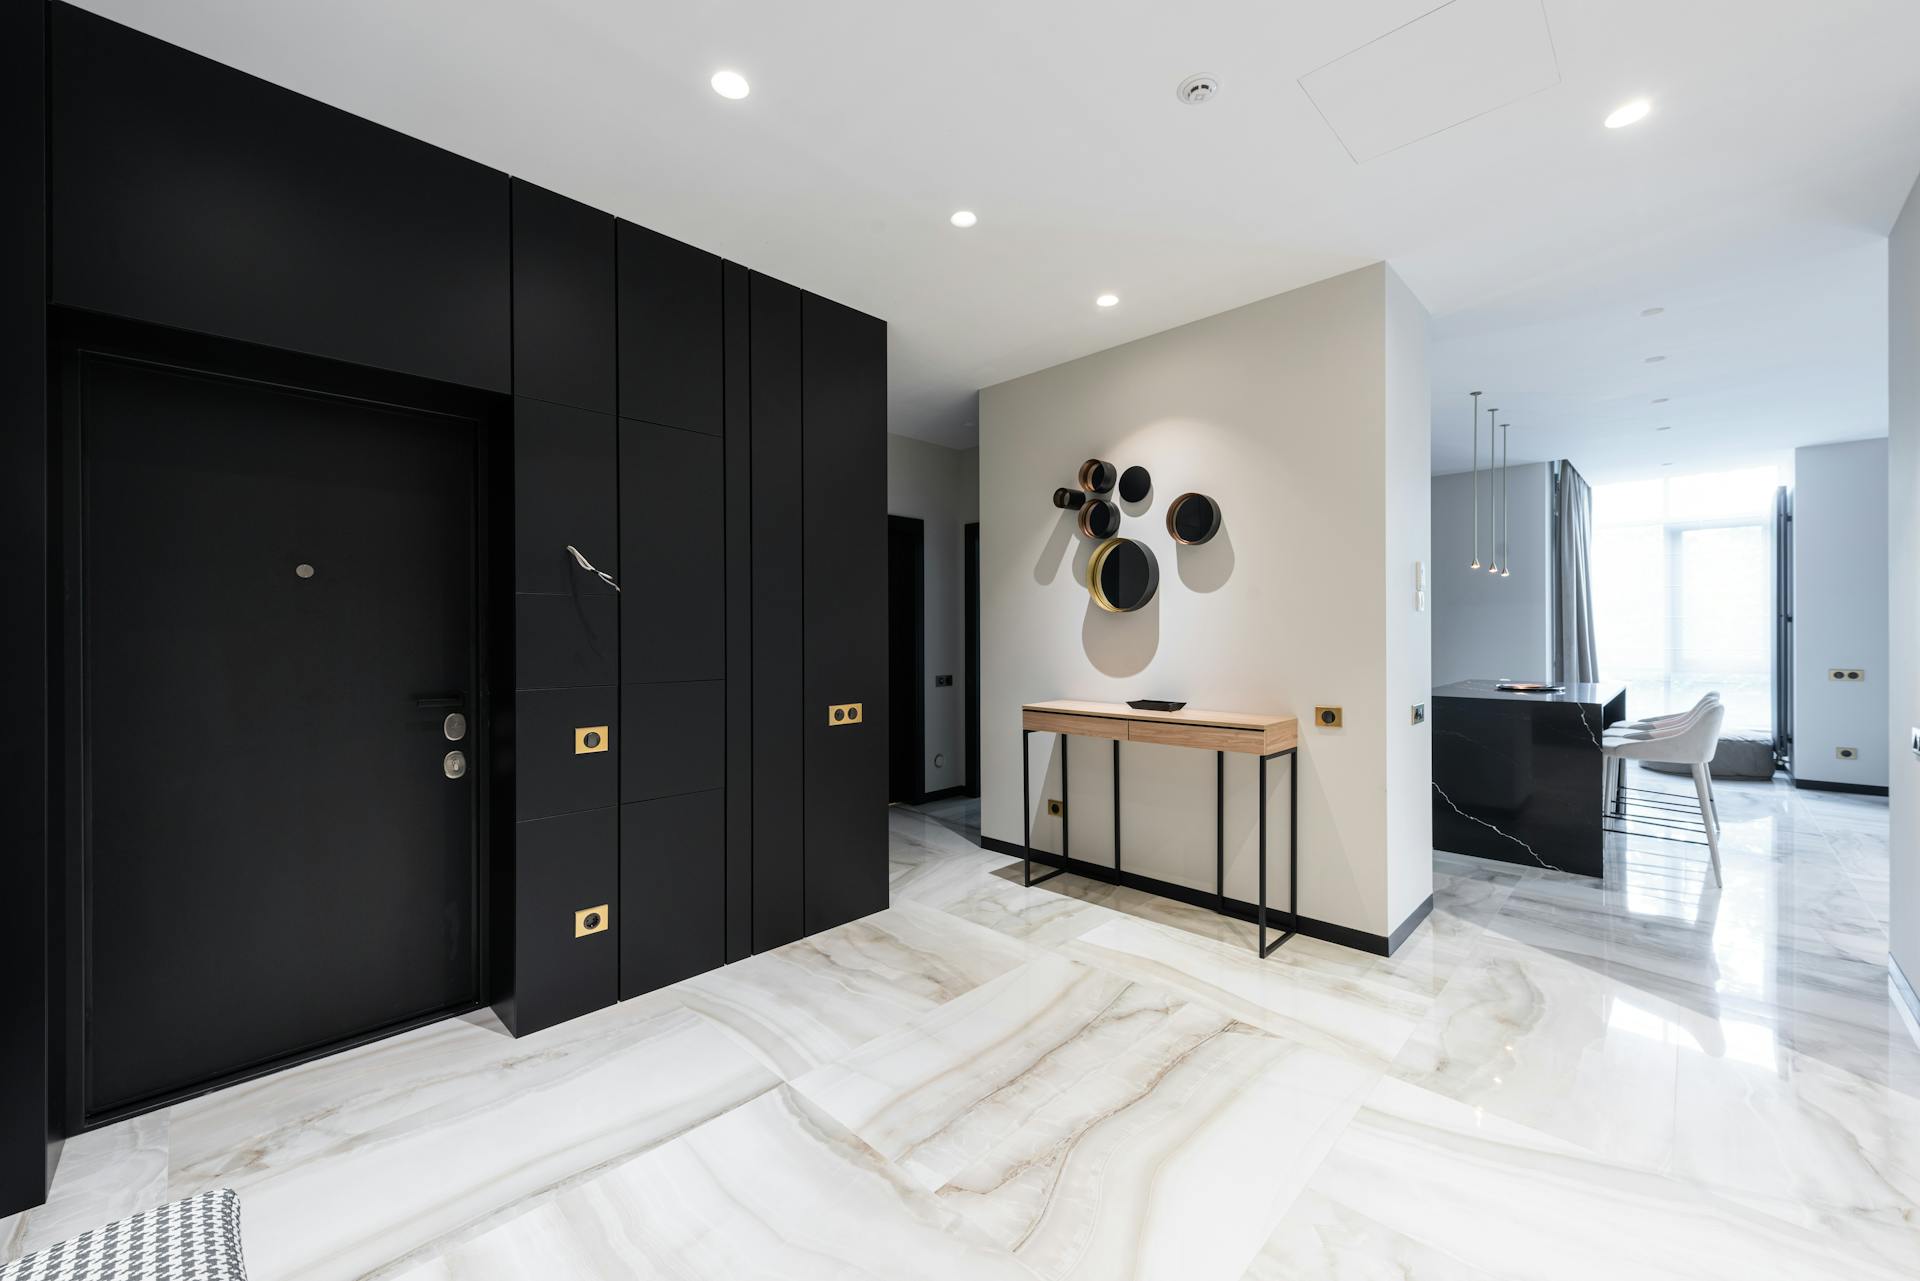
(844, 399)
(192, 195)
(565, 494)
(672, 883)
(566, 865)
(670, 332)
(675, 739)
(779, 888)
(739, 711)
(563, 290)
(672, 531)
(566, 751)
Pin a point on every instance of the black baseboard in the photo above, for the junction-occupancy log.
(1855, 789)
(944, 793)
(1325, 931)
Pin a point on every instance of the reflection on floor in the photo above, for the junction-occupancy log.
(1553, 1078)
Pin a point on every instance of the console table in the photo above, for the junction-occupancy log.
(1218, 732)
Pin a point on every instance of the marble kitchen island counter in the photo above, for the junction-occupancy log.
(1516, 777)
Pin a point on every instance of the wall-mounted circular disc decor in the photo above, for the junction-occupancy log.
(1069, 499)
(1122, 575)
(1135, 484)
(1099, 519)
(1097, 477)
(1193, 519)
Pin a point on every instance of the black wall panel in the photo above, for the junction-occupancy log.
(739, 542)
(563, 288)
(845, 611)
(549, 776)
(670, 332)
(566, 495)
(778, 455)
(672, 889)
(192, 195)
(672, 531)
(675, 739)
(566, 864)
(566, 642)
(28, 1024)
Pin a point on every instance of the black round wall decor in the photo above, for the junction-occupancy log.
(1096, 477)
(1099, 519)
(1069, 499)
(1193, 519)
(1135, 484)
(1122, 575)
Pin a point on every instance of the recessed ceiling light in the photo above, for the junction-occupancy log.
(963, 218)
(1653, 311)
(1659, 400)
(730, 84)
(1629, 113)
(1107, 300)
(1654, 360)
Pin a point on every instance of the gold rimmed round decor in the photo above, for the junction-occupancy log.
(1122, 575)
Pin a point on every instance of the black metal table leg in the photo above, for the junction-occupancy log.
(1220, 832)
(1026, 818)
(1293, 851)
(1116, 811)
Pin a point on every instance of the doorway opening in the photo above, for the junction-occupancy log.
(907, 658)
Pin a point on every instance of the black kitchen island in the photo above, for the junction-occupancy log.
(1516, 777)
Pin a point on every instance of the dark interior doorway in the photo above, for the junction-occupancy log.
(279, 593)
(972, 589)
(907, 658)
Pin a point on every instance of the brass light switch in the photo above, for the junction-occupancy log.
(590, 738)
(844, 714)
(590, 920)
(1327, 717)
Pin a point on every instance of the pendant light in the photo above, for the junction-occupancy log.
(1506, 525)
(1476, 480)
(1493, 568)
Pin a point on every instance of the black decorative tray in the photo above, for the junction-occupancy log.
(1530, 687)
(1154, 705)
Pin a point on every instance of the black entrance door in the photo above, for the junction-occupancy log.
(279, 619)
(906, 658)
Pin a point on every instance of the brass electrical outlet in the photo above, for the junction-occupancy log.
(1846, 674)
(590, 738)
(1327, 717)
(1055, 809)
(590, 920)
(844, 714)
(1847, 753)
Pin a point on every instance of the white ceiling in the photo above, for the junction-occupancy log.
(1752, 204)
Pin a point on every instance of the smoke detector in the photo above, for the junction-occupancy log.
(1195, 90)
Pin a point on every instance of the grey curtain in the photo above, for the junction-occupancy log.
(1573, 579)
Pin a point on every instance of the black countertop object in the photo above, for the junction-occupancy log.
(1516, 777)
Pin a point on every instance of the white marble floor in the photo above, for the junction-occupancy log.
(1644, 1077)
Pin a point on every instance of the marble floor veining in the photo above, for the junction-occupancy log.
(1553, 1077)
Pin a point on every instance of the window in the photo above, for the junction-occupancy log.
(1683, 591)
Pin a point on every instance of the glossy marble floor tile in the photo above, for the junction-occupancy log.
(1643, 1076)
(1088, 1122)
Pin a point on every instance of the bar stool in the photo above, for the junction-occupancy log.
(1656, 722)
(1691, 742)
(1613, 776)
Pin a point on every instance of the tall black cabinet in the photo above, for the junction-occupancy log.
(681, 522)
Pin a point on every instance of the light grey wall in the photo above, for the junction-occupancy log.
(941, 487)
(1305, 415)
(1840, 611)
(1486, 626)
(1903, 588)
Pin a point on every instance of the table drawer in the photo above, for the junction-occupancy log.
(1068, 723)
(1211, 738)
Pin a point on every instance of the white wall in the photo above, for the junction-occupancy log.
(1840, 611)
(1486, 626)
(1305, 416)
(1903, 588)
(941, 487)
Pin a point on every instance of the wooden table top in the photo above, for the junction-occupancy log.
(1256, 732)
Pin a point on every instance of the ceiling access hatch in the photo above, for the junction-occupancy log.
(1443, 69)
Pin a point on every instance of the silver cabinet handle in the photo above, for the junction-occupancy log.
(587, 565)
